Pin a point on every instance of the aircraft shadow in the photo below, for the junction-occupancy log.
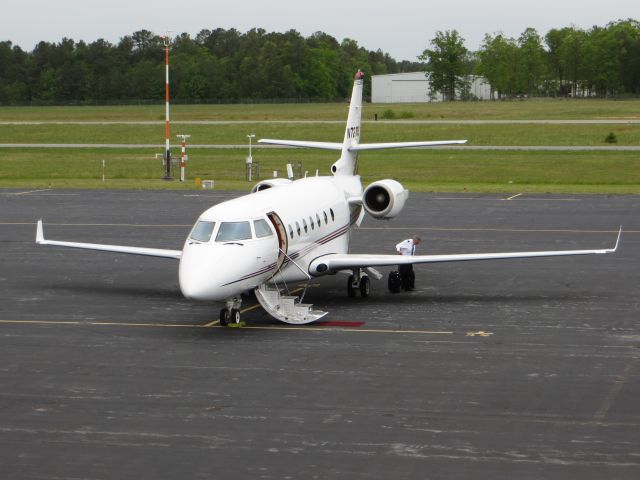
(430, 299)
(120, 290)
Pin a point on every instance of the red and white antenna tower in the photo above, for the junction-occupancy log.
(167, 152)
(183, 155)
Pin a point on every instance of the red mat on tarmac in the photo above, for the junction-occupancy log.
(340, 324)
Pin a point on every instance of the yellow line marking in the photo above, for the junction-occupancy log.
(244, 310)
(479, 334)
(248, 309)
(213, 325)
(100, 324)
(351, 329)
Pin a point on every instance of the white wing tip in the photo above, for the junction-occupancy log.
(617, 240)
(39, 232)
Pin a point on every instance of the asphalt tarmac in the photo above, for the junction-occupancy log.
(522, 369)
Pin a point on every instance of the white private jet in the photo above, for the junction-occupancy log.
(290, 231)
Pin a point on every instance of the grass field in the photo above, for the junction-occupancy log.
(509, 134)
(535, 109)
(418, 170)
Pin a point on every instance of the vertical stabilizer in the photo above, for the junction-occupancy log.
(346, 164)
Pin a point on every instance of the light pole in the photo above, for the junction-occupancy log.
(249, 158)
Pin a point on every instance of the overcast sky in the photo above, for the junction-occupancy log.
(402, 28)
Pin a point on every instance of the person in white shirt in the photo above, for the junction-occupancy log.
(408, 247)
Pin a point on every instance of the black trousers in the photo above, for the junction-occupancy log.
(407, 276)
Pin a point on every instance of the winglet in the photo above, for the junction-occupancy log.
(612, 250)
(39, 233)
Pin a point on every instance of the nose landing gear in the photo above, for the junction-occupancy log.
(231, 313)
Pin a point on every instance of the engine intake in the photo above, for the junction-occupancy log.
(273, 182)
(384, 198)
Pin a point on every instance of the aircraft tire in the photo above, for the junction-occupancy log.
(350, 290)
(224, 317)
(365, 287)
(234, 316)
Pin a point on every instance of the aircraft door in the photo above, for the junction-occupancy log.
(281, 232)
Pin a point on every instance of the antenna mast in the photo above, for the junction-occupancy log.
(167, 152)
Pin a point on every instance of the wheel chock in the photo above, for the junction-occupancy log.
(236, 325)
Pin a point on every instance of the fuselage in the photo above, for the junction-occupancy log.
(272, 234)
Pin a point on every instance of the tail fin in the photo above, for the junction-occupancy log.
(347, 163)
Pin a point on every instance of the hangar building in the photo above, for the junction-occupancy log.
(413, 87)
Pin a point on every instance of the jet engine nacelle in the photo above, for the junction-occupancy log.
(272, 182)
(384, 198)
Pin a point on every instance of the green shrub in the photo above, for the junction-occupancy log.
(611, 138)
(388, 115)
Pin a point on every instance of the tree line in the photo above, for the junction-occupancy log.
(570, 62)
(229, 66)
(216, 66)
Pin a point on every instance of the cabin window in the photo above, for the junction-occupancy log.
(298, 228)
(202, 231)
(262, 229)
(290, 230)
(333, 217)
(311, 223)
(325, 217)
(318, 219)
(233, 231)
(304, 224)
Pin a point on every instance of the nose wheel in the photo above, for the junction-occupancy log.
(231, 313)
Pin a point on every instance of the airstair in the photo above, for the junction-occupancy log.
(286, 308)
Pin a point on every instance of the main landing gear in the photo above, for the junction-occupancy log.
(231, 313)
(358, 281)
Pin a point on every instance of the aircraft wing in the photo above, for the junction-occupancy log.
(302, 143)
(151, 252)
(336, 262)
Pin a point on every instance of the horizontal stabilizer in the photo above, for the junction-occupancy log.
(383, 146)
(359, 147)
(302, 144)
(151, 252)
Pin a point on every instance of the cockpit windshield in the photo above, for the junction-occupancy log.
(233, 231)
(202, 231)
(261, 228)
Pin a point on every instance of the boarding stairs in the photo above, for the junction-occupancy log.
(286, 308)
(283, 306)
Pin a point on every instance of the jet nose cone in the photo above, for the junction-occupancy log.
(193, 290)
(195, 284)
(202, 273)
